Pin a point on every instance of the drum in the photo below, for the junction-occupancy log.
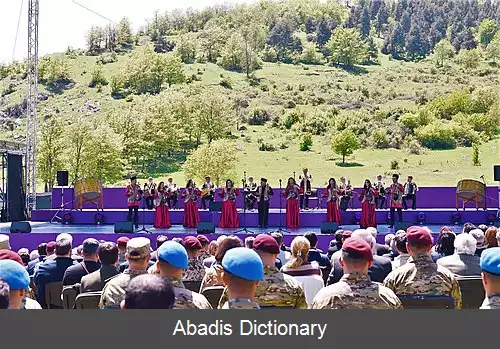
(87, 190)
(470, 190)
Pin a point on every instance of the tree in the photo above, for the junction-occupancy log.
(212, 41)
(346, 47)
(50, 151)
(372, 50)
(110, 38)
(364, 27)
(95, 40)
(310, 55)
(470, 59)
(52, 70)
(382, 17)
(185, 48)
(97, 77)
(486, 32)
(216, 159)
(172, 69)
(324, 32)
(493, 50)
(124, 34)
(232, 55)
(442, 51)
(345, 143)
(79, 134)
(415, 47)
(281, 38)
(475, 155)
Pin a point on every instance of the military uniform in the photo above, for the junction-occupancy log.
(240, 303)
(420, 275)
(186, 299)
(195, 270)
(492, 302)
(356, 291)
(114, 290)
(210, 279)
(202, 255)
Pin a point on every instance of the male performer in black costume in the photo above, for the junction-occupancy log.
(305, 188)
(264, 193)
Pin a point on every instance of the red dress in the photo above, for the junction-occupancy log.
(292, 207)
(368, 215)
(396, 191)
(162, 216)
(191, 213)
(229, 217)
(333, 205)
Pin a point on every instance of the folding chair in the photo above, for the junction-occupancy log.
(53, 297)
(472, 291)
(88, 300)
(425, 301)
(69, 294)
(213, 295)
(192, 285)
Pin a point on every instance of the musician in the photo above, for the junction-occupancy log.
(250, 194)
(333, 201)
(191, 213)
(149, 193)
(380, 187)
(172, 193)
(346, 192)
(367, 197)
(229, 216)
(264, 193)
(133, 193)
(305, 188)
(292, 206)
(410, 193)
(162, 216)
(207, 192)
(396, 191)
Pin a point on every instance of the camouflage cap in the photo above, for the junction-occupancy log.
(138, 248)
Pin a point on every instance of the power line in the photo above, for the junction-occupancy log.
(17, 31)
(94, 12)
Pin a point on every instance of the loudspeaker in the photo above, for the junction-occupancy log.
(15, 189)
(20, 227)
(124, 227)
(329, 227)
(62, 178)
(205, 228)
(215, 206)
(496, 173)
(401, 226)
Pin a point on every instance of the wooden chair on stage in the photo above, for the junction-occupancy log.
(470, 190)
(88, 190)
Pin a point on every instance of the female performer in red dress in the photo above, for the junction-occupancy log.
(162, 216)
(367, 197)
(229, 216)
(191, 213)
(292, 204)
(333, 205)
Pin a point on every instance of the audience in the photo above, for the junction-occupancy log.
(4, 242)
(483, 227)
(490, 237)
(249, 242)
(34, 255)
(178, 240)
(315, 255)
(498, 237)
(122, 248)
(463, 262)
(399, 245)
(51, 250)
(212, 250)
(4, 294)
(148, 292)
(159, 241)
(335, 244)
(478, 234)
(490, 273)
(445, 245)
(283, 256)
(204, 247)
(73, 275)
(468, 227)
(16, 276)
(42, 253)
(24, 253)
(380, 249)
(108, 256)
(195, 270)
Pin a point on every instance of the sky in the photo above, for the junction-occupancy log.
(63, 23)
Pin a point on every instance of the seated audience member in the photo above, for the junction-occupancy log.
(51, 251)
(4, 242)
(315, 254)
(389, 242)
(108, 256)
(213, 276)
(399, 244)
(52, 270)
(204, 247)
(178, 240)
(303, 271)
(16, 276)
(212, 250)
(249, 242)
(421, 275)
(77, 253)
(355, 290)
(380, 249)
(490, 273)
(490, 237)
(4, 294)
(445, 245)
(34, 255)
(24, 253)
(138, 255)
(159, 241)
(122, 248)
(195, 270)
(283, 256)
(73, 275)
(478, 234)
(149, 292)
(335, 244)
(463, 262)
(42, 252)
(65, 236)
(242, 271)
(483, 227)
(172, 261)
(468, 227)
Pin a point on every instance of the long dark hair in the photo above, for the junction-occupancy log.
(288, 182)
(330, 185)
(230, 181)
(161, 185)
(369, 184)
(445, 243)
(189, 183)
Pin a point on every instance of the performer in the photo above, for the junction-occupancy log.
(380, 187)
(264, 192)
(305, 188)
(333, 206)
(149, 193)
(207, 192)
(191, 213)
(396, 191)
(367, 197)
(292, 205)
(133, 193)
(410, 193)
(229, 216)
(250, 194)
(346, 193)
(172, 193)
(162, 216)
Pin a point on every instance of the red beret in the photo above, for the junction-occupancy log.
(191, 243)
(357, 249)
(203, 239)
(13, 256)
(266, 243)
(419, 236)
(122, 240)
(347, 234)
(51, 246)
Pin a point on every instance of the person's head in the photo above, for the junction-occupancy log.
(468, 227)
(108, 253)
(346, 234)
(379, 178)
(367, 184)
(410, 178)
(483, 227)
(133, 180)
(332, 183)
(203, 241)
(192, 245)
(418, 241)
(291, 181)
(172, 259)
(305, 170)
(267, 248)
(490, 270)
(63, 248)
(342, 180)
(490, 237)
(242, 271)
(16, 276)
(149, 291)
(388, 239)
(24, 253)
(263, 181)
(367, 236)
(225, 245)
(4, 242)
(478, 234)
(189, 183)
(161, 185)
(338, 236)
(4, 294)
(465, 244)
(170, 180)
(34, 255)
(278, 237)
(249, 242)
(395, 178)
(150, 179)
(160, 240)
(445, 243)
(51, 248)
(42, 249)
(250, 179)
(445, 228)
(207, 179)
(312, 238)
(356, 256)
(89, 249)
(178, 240)
(229, 183)
(138, 253)
(373, 231)
(299, 248)
(212, 247)
(122, 244)
(498, 237)
(399, 242)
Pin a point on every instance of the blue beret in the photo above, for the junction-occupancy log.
(174, 254)
(244, 263)
(14, 274)
(490, 260)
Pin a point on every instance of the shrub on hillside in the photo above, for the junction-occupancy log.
(412, 146)
(315, 123)
(436, 135)
(306, 143)
(293, 117)
(226, 82)
(258, 116)
(97, 78)
(266, 147)
(379, 139)
(105, 58)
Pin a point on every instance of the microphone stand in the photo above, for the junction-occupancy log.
(244, 229)
(143, 229)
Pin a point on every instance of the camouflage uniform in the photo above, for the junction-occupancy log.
(276, 290)
(240, 303)
(114, 290)
(210, 279)
(195, 270)
(202, 255)
(492, 302)
(186, 299)
(420, 275)
(356, 291)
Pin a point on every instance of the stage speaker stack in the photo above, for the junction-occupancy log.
(62, 178)
(20, 227)
(15, 188)
(329, 227)
(205, 228)
(401, 226)
(496, 173)
(124, 227)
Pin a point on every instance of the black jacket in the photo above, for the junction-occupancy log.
(380, 268)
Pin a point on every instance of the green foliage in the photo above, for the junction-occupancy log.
(394, 165)
(486, 31)
(493, 50)
(50, 150)
(4, 71)
(293, 117)
(97, 77)
(258, 116)
(346, 47)
(310, 55)
(315, 123)
(345, 143)
(108, 57)
(124, 33)
(436, 135)
(185, 48)
(226, 82)
(475, 155)
(380, 139)
(443, 51)
(470, 59)
(116, 84)
(266, 147)
(53, 70)
(306, 143)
